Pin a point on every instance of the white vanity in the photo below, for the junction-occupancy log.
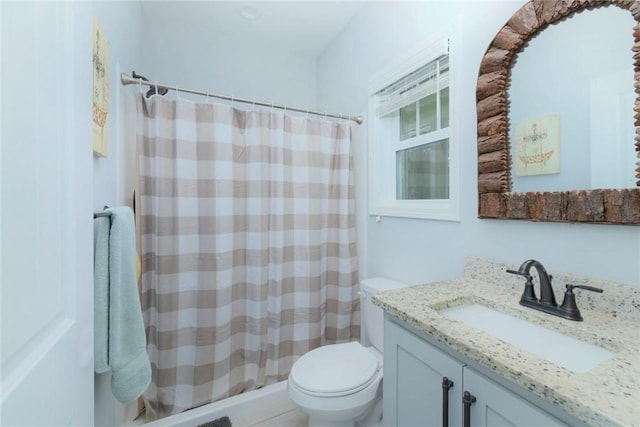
(414, 391)
(427, 348)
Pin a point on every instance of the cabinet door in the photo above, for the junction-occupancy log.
(413, 377)
(496, 406)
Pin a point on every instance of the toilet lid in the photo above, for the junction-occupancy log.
(337, 369)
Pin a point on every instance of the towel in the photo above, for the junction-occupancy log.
(101, 227)
(126, 341)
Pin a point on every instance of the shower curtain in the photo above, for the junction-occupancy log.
(247, 244)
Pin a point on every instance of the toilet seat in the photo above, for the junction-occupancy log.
(335, 370)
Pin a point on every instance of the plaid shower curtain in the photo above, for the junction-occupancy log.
(247, 244)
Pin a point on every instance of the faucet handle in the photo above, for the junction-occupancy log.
(570, 288)
(520, 273)
(529, 294)
(569, 305)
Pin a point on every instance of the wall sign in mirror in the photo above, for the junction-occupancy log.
(506, 106)
(536, 148)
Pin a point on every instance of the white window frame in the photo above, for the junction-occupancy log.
(382, 157)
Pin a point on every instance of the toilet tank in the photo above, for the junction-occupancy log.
(372, 315)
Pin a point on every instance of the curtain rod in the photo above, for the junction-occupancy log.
(128, 80)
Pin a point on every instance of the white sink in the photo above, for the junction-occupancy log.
(563, 350)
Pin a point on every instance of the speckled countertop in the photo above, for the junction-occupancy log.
(607, 395)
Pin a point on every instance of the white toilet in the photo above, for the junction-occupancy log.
(340, 385)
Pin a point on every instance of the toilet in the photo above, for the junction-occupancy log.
(340, 385)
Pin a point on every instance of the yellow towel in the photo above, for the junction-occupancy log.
(138, 267)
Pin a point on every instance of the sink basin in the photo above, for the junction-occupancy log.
(563, 350)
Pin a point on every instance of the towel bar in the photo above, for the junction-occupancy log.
(101, 214)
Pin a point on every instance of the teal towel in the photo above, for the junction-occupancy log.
(101, 227)
(127, 353)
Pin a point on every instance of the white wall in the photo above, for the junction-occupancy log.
(417, 251)
(113, 176)
(176, 52)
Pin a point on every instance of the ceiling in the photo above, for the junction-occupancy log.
(300, 26)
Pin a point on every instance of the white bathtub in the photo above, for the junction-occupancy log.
(243, 410)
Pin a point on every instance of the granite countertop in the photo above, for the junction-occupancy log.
(607, 395)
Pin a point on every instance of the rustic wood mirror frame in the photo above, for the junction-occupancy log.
(608, 206)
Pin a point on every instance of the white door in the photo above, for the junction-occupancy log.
(46, 260)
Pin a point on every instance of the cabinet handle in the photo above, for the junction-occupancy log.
(446, 385)
(468, 399)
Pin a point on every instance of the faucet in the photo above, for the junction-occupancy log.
(547, 297)
(547, 302)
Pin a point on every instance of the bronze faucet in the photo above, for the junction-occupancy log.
(547, 302)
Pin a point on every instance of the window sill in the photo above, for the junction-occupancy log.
(439, 211)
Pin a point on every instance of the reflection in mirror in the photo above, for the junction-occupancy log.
(571, 105)
(619, 205)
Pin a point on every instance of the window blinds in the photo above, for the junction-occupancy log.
(422, 82)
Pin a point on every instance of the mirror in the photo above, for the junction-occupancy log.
(571, 110)
(559, 201)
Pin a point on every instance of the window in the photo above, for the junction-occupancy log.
(413, 153)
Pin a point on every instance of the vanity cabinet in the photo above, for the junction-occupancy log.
(414, 372)
(416, 392)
